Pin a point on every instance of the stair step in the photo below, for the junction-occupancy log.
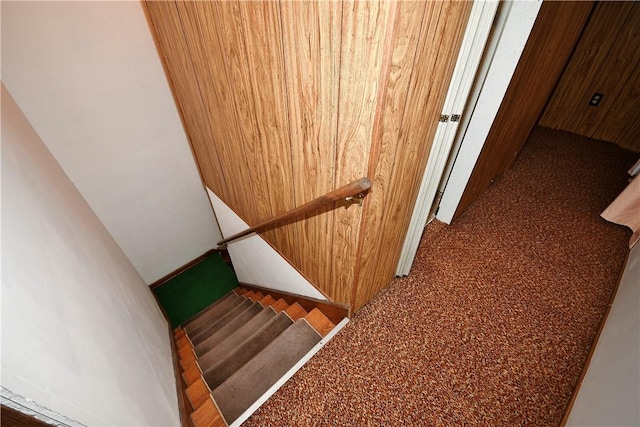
(192, 374)
(187, 363)
(220, 350)
(214, 310)
(198, 393)
(185, 351)
(245, 386)
(295, 311)
(240, 291)
(228, 329)
(178, 333)
(267, 301)
(233, 361)
(201, 333)
(280, 305)
(319, 322)
(254, 295)
(184, 344)
(207, 415)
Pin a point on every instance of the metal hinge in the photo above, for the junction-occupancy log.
(444, 118)
(455, 117)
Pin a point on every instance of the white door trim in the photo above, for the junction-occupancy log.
(513, 27)
(471, 52)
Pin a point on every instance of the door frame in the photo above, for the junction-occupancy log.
(471, 51)
(516, 26)
(493, 43)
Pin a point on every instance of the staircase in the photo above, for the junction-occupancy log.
(238, 351)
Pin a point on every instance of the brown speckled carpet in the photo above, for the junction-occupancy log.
(495, 321)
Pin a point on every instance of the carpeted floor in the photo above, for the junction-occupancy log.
(494, 323)
(185, 295)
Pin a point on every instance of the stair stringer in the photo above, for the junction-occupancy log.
(255, 261)
(295, 368)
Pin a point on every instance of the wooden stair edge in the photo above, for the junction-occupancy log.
(333, 310)
(295, 311)
(319, 322)
(197, 393)
(183, 406)
(208, 415)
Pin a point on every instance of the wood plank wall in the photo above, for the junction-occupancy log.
(286, 101)
(553, 37)
(606, 61)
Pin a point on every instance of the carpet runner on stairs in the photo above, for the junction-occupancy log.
(234, 351)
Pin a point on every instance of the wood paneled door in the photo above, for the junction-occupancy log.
(285, 101)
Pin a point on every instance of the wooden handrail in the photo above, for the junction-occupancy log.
(354, 190)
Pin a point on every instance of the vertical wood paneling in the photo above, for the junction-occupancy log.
(263, 42)
(606, 60)
(205, 54)
(364, 27)
(291, 100)
(555, 33)
(311, 46)
(425, 43)
(621, 124)
(167, 29)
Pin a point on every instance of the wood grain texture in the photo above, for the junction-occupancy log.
(606, 60)
(364, 28)
(423, 54)
(334, 311)
(311, 46)
(554, 35)
(290, 100)
(12, 418)
(353, 189)
(164, 20)
(215, 63)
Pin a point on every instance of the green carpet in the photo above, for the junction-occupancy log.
(196, 288)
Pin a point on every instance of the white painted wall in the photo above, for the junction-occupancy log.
(255, 261)
(81, 332)
(513, 25)
(89, 79)
(610, 392)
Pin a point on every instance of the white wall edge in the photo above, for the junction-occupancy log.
(35, 410)
(255, 261)
(513, 27)
(289, 374)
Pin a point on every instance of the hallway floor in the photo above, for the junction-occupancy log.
(495, 321)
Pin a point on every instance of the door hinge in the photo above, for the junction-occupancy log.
(455, 117)
(444, 118)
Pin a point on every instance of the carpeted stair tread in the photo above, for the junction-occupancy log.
(205, 331)
(244, 387)
(216, 309)
(207, 415)
(225, 367)
(218, 351)
(228, 329)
